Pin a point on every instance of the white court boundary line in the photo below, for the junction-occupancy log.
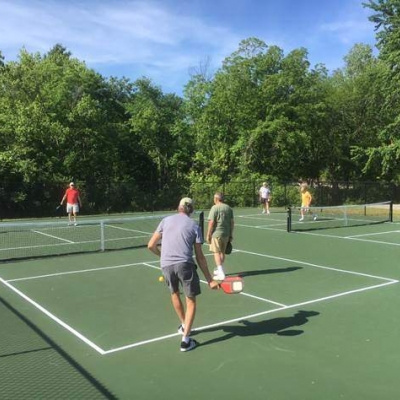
(359, 238)
(53, 317)
(371, 234)
(272, 227)
(201, 328)
(101, 351)
(53, 236)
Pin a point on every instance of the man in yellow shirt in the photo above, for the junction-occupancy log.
(306, 199)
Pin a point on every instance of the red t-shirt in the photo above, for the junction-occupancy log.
(72, 195)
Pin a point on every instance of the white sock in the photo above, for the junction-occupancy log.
(185, 339)
(220, 268)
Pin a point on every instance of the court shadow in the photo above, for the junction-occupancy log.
(276, 326)
(266, 271)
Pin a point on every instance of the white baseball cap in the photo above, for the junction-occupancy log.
(186, 201)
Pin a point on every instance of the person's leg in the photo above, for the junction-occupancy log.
(75, 210)
(190, 282)
(219, 258)
(219, 273)
(187, 342)
(189, 315)
(178, 306)
(69, 211)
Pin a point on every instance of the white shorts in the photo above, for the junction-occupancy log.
(72, 208)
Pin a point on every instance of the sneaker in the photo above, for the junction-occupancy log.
(268, 212)
(181, 329)
(263, 211)
(188, 346)
(76, 224)
(301, 219)
(315, 217)
(218, 275)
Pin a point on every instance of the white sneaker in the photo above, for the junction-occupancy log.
(181, 329)
(268, 212)
(218, 276)
(315, 217)
(263, 211)
(301, 219)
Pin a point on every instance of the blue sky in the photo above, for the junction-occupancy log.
(164, 40)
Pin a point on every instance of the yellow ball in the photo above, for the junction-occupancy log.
(161, 279)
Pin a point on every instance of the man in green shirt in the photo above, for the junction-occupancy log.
(220, 232)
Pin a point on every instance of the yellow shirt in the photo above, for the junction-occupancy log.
(306, 199)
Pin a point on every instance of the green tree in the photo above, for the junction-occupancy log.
(262, 113)
(386, 156)
(59, 121)
(156, 121)
(356, 113)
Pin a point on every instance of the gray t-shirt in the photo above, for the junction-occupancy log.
(179, 233)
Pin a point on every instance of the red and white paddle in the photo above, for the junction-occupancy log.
(232, 284)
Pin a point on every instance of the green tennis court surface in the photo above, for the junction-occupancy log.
(317, 320)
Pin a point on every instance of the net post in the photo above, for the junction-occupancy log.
(391, 211)
(102, 239)
(201, 223)
(289, 219)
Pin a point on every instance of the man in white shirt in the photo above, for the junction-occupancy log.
(265, 193)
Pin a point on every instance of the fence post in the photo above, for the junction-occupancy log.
(254, 194)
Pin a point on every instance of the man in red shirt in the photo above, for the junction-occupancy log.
(73, 198)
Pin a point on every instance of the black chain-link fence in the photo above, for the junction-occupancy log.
(27, 200)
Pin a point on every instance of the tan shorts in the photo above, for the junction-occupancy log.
(218, 244)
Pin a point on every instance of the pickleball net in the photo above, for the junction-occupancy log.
(339, 216)
(40, 239)
(19, 240)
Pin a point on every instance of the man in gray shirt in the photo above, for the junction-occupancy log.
(180, 235)
(220, 232)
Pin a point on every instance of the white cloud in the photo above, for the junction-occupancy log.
(131, 32)
(130, 38)
(348, 31)
(162, 39)
(142, 37)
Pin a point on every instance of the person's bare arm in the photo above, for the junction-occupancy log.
(202, 262)
(153, 244)
(210, 231)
